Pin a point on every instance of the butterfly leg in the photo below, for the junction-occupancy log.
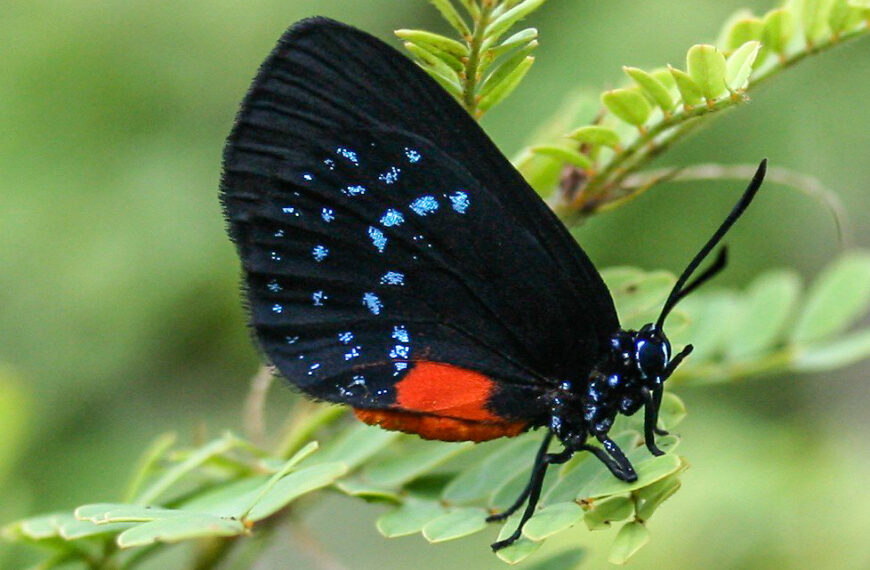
(657, 398)
(539, 460)
(650, 417)
(613, 459)
(536, 483)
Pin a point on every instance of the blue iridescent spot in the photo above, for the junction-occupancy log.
(345, 337)
(393, 278)
(424, 205)
(277, 309)
(372, 302)
(312, 368)
(358, 380)
(353, 353)
(460, 202)
(308, 177)
(355, 190)
(327, 214)
(329, 163)
(290, 211)
(273, 286)
(378, 238)
(400, 351)
(319, 297)
(412, 155)
(399, 367)
(390, 176)
(274, 256)
(319, 253)
(291, 339)
(400, 333)
(348, 154)
(392, 218)
(278, 233)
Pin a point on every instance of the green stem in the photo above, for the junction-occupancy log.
(472, 66)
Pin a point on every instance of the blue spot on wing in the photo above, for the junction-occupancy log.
(392, 218)
(372, 302)
(379, 240)
(424, 205)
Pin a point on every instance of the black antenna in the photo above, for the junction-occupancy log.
(680, 289)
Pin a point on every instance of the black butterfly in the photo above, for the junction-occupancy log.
(396, 262)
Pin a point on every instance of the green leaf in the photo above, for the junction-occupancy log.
(843, 17)
(75, 529)
(519, 39)
(194, 460)
(230, 498)
(519, 550)
(778, 29)
(356, 445)
(814, 19)
(738, 68)
(506, 86)
(764, 313)
(442, 43)
(648, 471)
(706, 66)
(410, 518)
(455, 524)
(293, 486)
(102, 513)
(449, 13)
(627, 104)
(653, 87)
(839, 297)
(742, 31)
(663, 76)
(831, 355)
(608, 511)
(297, 457)
(485, 478)
(148, 463)
(178, 528)
(631, 537)
(563, 154)
(430, 61)
(552, 519)
(363, 490)
(689, 90)
(653, 496)
(504, 69)
(672, 410)
(410, 464)
(504, 22)
(596, 136)
(35, 528)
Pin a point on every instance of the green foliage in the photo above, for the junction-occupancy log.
(231, 487)
(664, 106)
(483, 68)
(443, 491)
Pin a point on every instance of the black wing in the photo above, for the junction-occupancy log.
(378, 225)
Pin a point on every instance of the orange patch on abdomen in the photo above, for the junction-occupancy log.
(445, 402)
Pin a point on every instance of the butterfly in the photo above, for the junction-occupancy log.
(396, 262)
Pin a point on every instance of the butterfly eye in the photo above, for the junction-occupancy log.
(652, 356)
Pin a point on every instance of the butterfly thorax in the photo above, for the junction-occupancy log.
(627, 376)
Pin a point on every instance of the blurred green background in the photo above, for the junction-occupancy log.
(120, 313)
